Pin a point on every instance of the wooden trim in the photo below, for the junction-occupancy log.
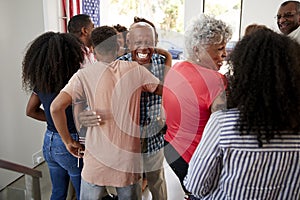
(20, 168)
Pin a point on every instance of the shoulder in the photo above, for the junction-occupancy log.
(159, 58)
(225, 115)
(125, 63)
(86, 70)
(126, 57)
(124, 66)
(181, 65)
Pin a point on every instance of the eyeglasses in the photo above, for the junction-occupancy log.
(286, 16)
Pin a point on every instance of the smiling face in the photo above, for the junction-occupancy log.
(217, 52)
(213, 56)
(288, 18)
(141, 43)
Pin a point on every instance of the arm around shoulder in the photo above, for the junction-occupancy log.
(159, 89)
(167, 54)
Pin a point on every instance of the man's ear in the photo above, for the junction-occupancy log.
(83, 31)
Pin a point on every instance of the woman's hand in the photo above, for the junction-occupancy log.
(75, 148)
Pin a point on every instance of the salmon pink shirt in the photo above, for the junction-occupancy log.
(189, 91)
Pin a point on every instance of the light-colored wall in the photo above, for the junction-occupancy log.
(192, 8)
(20, 137)
(260, 12)
(21, 21)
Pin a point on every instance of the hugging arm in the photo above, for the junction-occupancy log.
(89, 118)
(168, 56)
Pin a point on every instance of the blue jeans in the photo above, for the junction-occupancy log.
(62, 166)
(93, 192)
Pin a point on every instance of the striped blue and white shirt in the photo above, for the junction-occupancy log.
(227, 165)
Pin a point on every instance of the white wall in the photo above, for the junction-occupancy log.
(260, 12)
(21, 21)
(20, 137)
(192, 8)
(52, 15)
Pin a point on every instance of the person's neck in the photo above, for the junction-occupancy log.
(147, 65)
(107, 59)
(203, 64)
(295, 30)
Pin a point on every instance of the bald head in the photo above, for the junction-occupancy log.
(141, 41)
(141, 26)
(288, 16)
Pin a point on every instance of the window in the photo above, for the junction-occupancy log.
(229, 11)
(168, 17)
(165, 14)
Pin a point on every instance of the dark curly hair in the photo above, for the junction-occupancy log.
(266, 84)
(297, 4)
(50, 61)
(124, 31)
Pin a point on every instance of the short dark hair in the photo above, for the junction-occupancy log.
(297, 4)
(77, 22)
(104, 39)
(120, 28)
(253, 27)
(124, 31)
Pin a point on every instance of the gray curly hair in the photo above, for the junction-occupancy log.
(204, 30)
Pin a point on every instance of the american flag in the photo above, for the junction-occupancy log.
(74, 7)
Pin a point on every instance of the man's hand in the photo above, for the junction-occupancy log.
(89, 118)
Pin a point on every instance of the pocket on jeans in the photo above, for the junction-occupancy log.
(64, 158)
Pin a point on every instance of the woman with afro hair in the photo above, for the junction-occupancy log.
(48, 64)
(251, 151)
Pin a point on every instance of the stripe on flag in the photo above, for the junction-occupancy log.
(71, 8)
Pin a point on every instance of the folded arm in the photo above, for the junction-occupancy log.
(33, 108)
